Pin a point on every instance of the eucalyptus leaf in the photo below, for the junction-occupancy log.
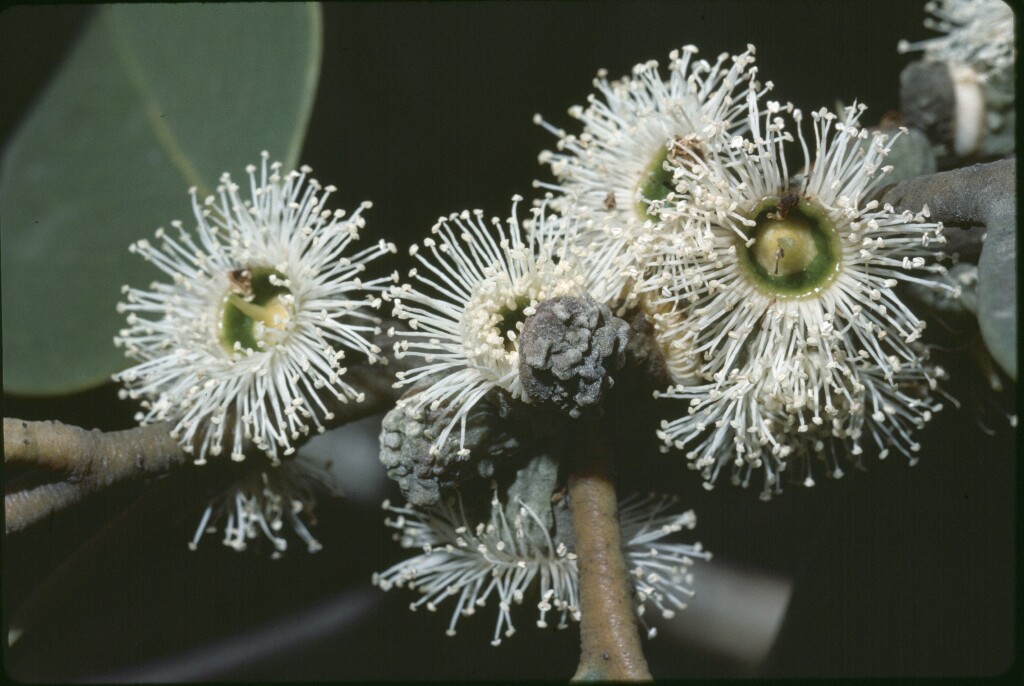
(152, 100)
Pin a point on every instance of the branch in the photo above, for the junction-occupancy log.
(91, 460)
(609, 637)
(94, 459)
(87, 453)
(23, 508)
(979, 195)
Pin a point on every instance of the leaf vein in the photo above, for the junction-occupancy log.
(165, 137)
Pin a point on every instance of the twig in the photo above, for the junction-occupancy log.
(609, 636)
(95, 459)
(23, 508)
(979, 195)
(87, 453)
(966, 198)
(91, 460)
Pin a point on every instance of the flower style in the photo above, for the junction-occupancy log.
(617, 171)
(475, 292)
(502, 558)
(783, 289)
(246, 341)
(263, 500)
(977, 33)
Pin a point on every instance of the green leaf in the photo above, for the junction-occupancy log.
(152, 100)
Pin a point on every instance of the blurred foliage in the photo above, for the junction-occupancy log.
(152, 100)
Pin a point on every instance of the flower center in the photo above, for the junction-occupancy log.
(655, 184)
(795, 251)
(656, 181)
(256, 309)
(492, 319)
(510, 320)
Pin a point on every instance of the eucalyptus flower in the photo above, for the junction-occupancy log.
(750, 424)
(266, 500)
(617, 171)
(962, 92)
(512, 560)
(783, 289)
(265, 301)
(473, 291)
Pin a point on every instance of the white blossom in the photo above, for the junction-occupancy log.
(783, 292)
(976, 33)
(264, 501)
(519, 559)
(248, 338)
(474, 288)
(615, 171)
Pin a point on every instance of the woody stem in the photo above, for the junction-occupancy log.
(610, 647)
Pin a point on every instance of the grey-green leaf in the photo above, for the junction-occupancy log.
(153, 99)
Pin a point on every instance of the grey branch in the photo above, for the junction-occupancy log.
(978, 195)
(982, 195)
(91, 460)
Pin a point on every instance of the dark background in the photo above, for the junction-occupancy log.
(425, 108)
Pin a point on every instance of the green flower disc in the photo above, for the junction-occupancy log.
(261, 303)
(795, 253)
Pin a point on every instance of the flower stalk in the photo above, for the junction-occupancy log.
(609, 635)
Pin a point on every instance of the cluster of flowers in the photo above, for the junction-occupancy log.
(770, 295)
